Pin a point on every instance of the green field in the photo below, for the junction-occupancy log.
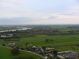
(60, 42)
(6, 54)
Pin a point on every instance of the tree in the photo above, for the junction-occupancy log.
(26, 44)
(15, 51)
(46, 40)
(55, 52)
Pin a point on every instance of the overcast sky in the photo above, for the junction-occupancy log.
(39, 12)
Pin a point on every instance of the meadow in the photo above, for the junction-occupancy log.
(64, 39)
(60, 42)
(5, 53)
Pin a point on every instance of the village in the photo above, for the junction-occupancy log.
(46, 52)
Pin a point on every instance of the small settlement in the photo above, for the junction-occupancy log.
(48, 53)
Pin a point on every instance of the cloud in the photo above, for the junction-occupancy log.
(39, 11)
(70, 16)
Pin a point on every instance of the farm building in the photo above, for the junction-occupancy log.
(68, 54)
(4, 36)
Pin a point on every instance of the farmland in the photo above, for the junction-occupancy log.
(62, 38)
(60, 42)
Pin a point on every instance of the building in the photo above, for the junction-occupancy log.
(6, 35)
(68, 54)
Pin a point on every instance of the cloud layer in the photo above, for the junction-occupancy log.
(39, 12)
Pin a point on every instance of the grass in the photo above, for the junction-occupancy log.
(6, 54)
(61, 42)
(29, 55)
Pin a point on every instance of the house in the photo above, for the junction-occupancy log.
(12, 44)
(6, 35)
(68, 54)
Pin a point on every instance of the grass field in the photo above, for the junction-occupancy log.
(6, 54)
(60, 42)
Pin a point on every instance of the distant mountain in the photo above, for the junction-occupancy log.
(15, 21)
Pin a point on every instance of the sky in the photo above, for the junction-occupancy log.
(39, 12)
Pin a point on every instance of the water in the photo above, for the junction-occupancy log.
(21, 29)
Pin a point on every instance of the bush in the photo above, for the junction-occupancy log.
(15, 51)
